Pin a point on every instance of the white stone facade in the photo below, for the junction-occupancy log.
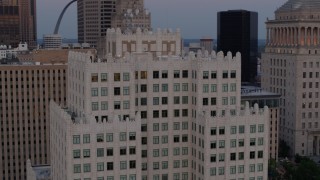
(159, 43)
(172, 102)
(290, 66)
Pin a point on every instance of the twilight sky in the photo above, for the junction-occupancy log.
(195, 18)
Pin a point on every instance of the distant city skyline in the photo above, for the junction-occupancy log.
(194, 18)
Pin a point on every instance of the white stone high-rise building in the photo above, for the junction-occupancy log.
(291, 67)
(137, 116)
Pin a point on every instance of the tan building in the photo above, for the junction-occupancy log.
(130, 15)
(263, 98)
(94, 18)
(26, 91)
(26, 88)
(291, 66)
(18, 22)
(159, 43)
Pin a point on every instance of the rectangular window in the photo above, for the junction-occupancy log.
(213, 171)
(126, 76)
(104, 91)
(76, 154)
(241, 142)
(156, 101)
(99, 137)
(184, 86)
(77, 168)
(109, 137)
(143, 101)
(155, 139)
(155, 126)
(117, 91)
(143, 88)
(164, 139)
(156, 74)
(95, 106)
(164, 87)
(126, 104)
(123, 165)
(94, 77)
(241, 155)
(86, 138)
(176, 87)
(117, 105)
(185, 73)
(224, 87)
(132, 150)
(233, 74)
(164, 164)
(184, 99)
(225, 74)
(126, 90)
(213, 74)
(100, 166)
(213, 88)
(94, 92)
(155, 87)
(232, 100)
(205, 74)
(86, 153)
(100, 152)
(260, 128)
(132, 136)
(104, 77)
(123, 151)
(252, 128)
(205, 88)
(109, 166)
(176, 100)
(144, 74)
(164, 113)
(164, 152)
(164, 74)
(213, 131)
(224, 101)
(164, 126)
(123, 136)
(221, 130)
(176, 73)
(116, 77)
(76, 139)
(110, 152)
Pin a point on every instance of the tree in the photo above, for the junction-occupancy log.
(284, 149)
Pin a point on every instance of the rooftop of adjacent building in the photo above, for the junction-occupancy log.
(256, 92)
(300, 5)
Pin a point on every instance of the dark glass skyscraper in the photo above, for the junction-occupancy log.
(238, 32)
(18, 22)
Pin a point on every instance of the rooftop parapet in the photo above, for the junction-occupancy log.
(132, 57)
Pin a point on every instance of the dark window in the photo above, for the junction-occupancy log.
(205, 101)
(132, 164)
(176, 74)
(117, 91)
(164, 100)
(143, 114)
(164, 113)
(155, 114)
(143, 101)
(233, 74)
(123, 151)
(214, 75)
(144, 128)
(225, 74)
(176, 139)
(110, 152)
(185, 73)
(155, 74)
(233, 156)
(109, 165)
(221, 131)
(143, 88)
(144, 140)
